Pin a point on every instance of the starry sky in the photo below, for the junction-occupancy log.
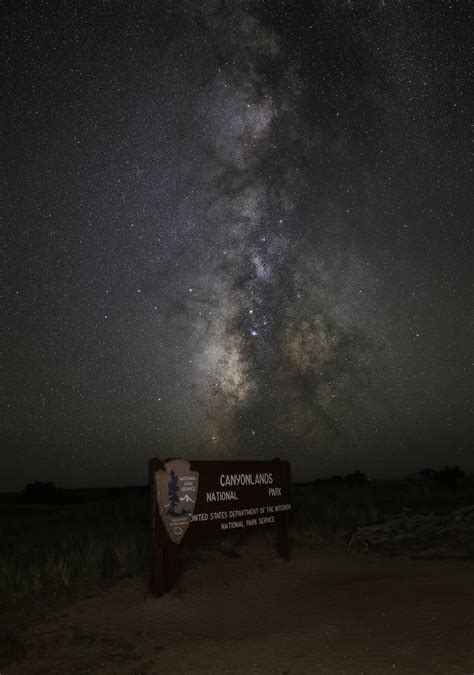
(235, 230)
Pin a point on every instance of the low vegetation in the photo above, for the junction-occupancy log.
(58, 544)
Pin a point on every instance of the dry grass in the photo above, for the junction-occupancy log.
(53, 554)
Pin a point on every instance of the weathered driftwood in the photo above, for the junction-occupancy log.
(408, 528)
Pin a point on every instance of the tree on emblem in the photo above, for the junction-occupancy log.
(173, 493)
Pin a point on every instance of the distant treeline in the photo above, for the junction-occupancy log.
(447, 477)
(47, 492)
(354, 479)
(442, 478)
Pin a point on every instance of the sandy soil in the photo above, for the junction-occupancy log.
(323, 612)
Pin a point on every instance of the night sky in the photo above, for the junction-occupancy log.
(235, 229)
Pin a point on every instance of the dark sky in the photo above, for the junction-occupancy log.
(235, 229)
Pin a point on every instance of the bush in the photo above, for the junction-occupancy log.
(42, 492)
(445, 478)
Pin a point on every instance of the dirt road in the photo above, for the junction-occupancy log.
(323, 612)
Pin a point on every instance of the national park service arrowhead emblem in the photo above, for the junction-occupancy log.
(176, 494)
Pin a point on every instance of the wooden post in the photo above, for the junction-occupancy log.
(170, 566)
(157, 572)
(164, 572)
(283, 540)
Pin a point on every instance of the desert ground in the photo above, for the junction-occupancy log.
(325, 611)
(380, 580)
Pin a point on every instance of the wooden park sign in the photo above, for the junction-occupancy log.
(194, 500)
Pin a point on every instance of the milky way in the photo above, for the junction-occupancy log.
(237, 230)
(273, 354)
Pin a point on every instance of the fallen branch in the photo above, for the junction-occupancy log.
(411, 528)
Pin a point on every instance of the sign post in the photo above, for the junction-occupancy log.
(193, 500)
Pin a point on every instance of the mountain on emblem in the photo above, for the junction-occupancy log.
(176, 494)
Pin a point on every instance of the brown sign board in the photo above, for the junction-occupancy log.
(194, 500)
